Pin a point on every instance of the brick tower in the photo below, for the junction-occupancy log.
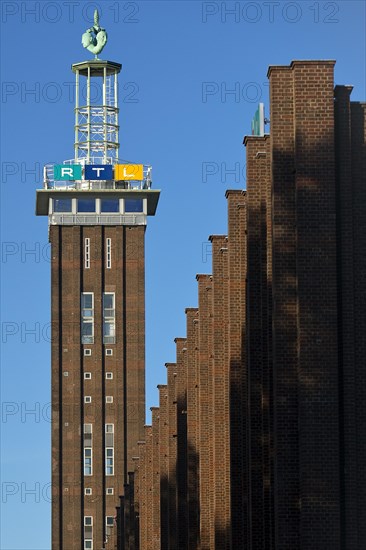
(97, 208)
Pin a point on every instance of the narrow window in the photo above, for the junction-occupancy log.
(109, 523)
(109, 461)
(87, 318)
(109, 449)
(109, 318)
(88, 491)
(88, 532)
(88, 452)
(108, 253)
(87, 253)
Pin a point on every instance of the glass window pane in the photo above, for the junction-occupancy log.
(108, 301)
(86, 205)
(87, 329)
(62, 205)
(109, 329)
(109, 205)
(87, 301)
(133, 205)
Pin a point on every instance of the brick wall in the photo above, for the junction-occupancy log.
(262, 446)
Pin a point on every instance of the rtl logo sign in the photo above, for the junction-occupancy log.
(62, 172)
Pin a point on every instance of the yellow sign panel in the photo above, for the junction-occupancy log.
(129, 172)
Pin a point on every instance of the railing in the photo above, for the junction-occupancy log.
(97, 219)
(84, 185)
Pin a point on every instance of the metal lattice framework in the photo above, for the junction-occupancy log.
(96, 125)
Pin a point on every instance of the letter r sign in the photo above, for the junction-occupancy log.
(67, 172)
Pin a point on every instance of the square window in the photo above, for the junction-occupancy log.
(109, 399)
(88, 520)
(109, 351)
(88, 491)
(133, 205)
(87, 375)
(109, 491)
(66, 373)
(109, 205)
(86, 205)
(109, 521)
(109, 375)
(87, 351)
(62, 205)
(88, 544)
(87, 399)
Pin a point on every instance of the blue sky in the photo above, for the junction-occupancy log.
(193, 74)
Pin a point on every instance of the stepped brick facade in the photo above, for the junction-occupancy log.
(259, 440)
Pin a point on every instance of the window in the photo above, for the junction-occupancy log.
(109, 318)
(87, 318)
(109, 449)
(87, 351)
(88, 465)
(86, 205)
(109, 375)
(66, 373)
(109, 491)
(109, 205)
(109, 351)
(87, 399)
(62, 205)
(88, 452)
(88, 491)
(109, 399)
(87, 253)
(108, 253)
(88, 532)
(87, 375)
(133, 205)
(109, 461)
(109, 521)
